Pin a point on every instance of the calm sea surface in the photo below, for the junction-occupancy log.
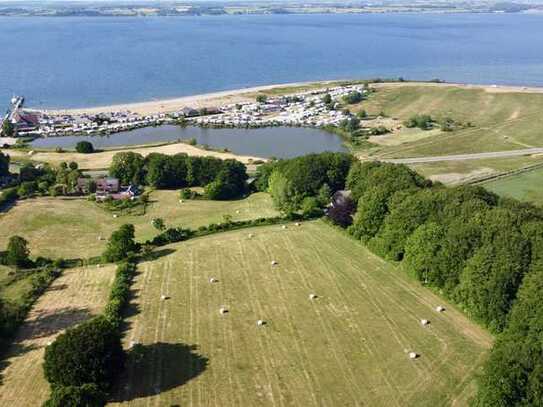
(77, 62)
(280, 142)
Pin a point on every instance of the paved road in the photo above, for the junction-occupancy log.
(460, 157)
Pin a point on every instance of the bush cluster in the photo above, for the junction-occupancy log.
(311, 176)
(422, 121)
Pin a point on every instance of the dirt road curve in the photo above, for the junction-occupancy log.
(460, 157)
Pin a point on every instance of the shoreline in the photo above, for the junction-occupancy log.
(245, 94)
(196, 101)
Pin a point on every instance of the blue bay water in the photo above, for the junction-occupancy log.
(85, 61)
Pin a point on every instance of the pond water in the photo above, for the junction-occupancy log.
(280, 142)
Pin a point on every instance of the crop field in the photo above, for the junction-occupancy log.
(347, 347)
(71, 227)
(75, 296)
(524, 187)
(502, 120)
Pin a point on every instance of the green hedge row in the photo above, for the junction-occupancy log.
(13, 314)
(8, 196)
(119, 295)
(174, 235)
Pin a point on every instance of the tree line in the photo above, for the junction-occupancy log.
(477, 249)
(222, 179)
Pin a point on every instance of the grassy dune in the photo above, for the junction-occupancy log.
(75, 296)
(70, 227)
(348, 347)
(503, 120)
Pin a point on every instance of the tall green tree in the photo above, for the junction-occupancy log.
(120, 244)
(17, 253)
(8, 130)
(128, 167)
(89, 353)
(230, 181)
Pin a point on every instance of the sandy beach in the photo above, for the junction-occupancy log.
(247, 94)
(196, 101)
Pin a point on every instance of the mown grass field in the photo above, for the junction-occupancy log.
(524, 187)
(71, 227)
(75, 296)
(348, 347)
(502, 120)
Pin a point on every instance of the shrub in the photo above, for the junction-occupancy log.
(84, 147)
(187, 193)
(423, 122)
(353, 97)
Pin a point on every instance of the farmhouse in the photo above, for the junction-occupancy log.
(110, 188)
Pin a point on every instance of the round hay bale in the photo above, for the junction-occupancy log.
(298, 224)
(260, 322)
(223, 310)
(284, 227)
(274, 263)
(413, 355)
(313, 296)
(424, 322)
(440, 308)
(251, 235)
(115, 215)
(164, 297)
(213, 280)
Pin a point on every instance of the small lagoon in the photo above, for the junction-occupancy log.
(280, 142)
